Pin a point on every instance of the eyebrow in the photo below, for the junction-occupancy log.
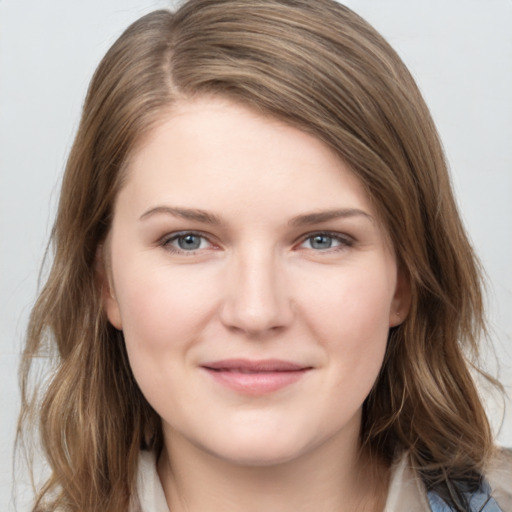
(307, 219)
(327, 215)
(185, 213)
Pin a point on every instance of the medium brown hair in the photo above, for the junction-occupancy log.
(319, 67)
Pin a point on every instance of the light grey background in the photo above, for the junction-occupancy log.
(460, 52)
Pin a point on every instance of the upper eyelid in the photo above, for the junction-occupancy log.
(184, 232)
(333, 234)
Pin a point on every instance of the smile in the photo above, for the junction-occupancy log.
(255, 377)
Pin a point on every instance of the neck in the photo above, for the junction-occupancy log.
(195, 481)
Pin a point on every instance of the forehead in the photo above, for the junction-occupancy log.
(215, 154)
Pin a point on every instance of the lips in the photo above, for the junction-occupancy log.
(255, 377)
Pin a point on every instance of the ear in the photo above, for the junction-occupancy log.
(401, 303)
(104, 278)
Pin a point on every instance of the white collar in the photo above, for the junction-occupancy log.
(406, 491)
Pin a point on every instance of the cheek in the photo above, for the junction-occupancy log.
(161, 322)
(349, 314)
(353, 299)
(163, 309)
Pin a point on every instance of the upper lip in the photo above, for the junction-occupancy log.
(247, 365)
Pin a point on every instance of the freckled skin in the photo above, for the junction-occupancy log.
(256, 287)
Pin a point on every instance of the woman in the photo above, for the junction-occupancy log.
(262, 297)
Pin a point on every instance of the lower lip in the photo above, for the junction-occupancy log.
(258, 383)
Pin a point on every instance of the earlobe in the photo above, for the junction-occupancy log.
(401, 303)
(108, 297)
(112, 308)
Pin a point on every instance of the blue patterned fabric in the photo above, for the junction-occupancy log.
(480, 501)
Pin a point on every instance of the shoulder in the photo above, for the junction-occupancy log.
(495, 493)
(407, 493)
(499, 476)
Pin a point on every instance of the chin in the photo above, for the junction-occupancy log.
(258, 449)
(255, 457)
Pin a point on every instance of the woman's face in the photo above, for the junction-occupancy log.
(253, 282)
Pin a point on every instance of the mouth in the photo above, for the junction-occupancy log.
(255, 377)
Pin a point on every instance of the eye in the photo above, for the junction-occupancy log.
(186, 241)
(326, 241)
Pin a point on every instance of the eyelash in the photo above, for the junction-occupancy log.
(344, 241)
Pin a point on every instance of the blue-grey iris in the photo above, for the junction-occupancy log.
(189, 242)
(321, 242)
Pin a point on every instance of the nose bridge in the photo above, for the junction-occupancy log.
(257, 297)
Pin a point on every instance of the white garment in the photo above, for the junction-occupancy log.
(407, 492)
(149, 490)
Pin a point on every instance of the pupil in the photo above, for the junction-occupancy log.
(189, 242)
(321, 242)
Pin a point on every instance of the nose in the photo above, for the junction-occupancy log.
(256, 300)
